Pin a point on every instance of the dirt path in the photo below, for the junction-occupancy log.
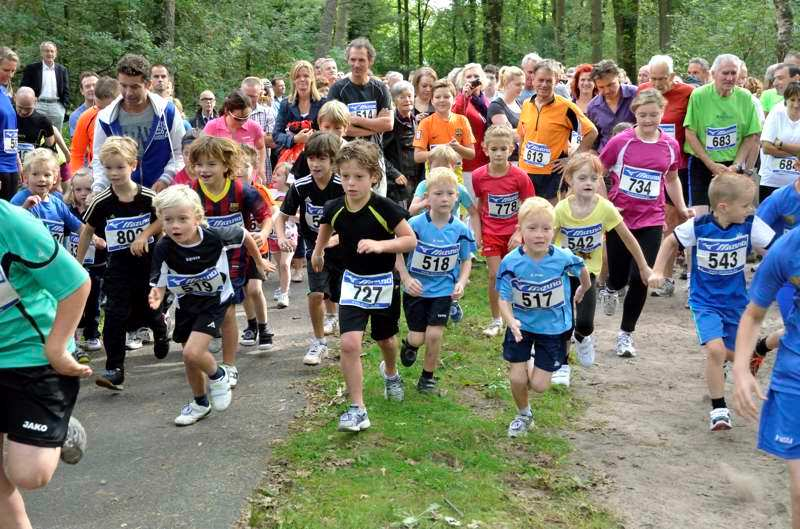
(645, 437)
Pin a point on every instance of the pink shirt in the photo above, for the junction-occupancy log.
(182, 177)
(637, 170)
(248, 134)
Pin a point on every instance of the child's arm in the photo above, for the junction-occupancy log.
(745, 384)
(675, 193)
(412, 284)
(475, 222)
(31, 201)
(635, 250)
(87, 232)
(418, 205)
(404, 241)
(254, 252)
(68, 314)
(318, 255)
(140, 246)
(466, 152)
(280, 230)
(420, 155)
(513, 324)
(463, 277)
(668, 247)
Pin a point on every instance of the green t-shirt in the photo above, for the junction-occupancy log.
(36, 274)
(770, 98)
(721, 123)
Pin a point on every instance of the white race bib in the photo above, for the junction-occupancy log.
(8, 296)
(503, 206)
(122, 231)
(668, 129)
(224, 221)
(24, 149)
(721, 139)
(10, 138)
(528, 295)
(537, 154)
(313, 216)
(56, 229)
(432, 146)
(367, 292)
(784, 167)
(575, 138)
(722, 256)
(585, 239)
(72, 243)
(431, 260)
(644, 184)
(363, 109)
(206, 283)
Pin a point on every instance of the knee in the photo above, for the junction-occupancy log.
(518, 377)
(540, 386)
(191, 354)
(351, 344)
(716, 353)
(254, 289)
(32, 477)
(316, 297)
(434, 334)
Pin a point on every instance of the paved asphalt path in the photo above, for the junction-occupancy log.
(141, 471)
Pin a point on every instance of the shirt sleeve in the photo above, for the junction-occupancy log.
(420, 190)
(464, 197)
(503, 283)
(685, 235)
(574, 264)
(393, 213)
(232, 237)
(384, 98)
(768, 211)
(71, 222)
(689, 121)
(526, 186)
(329, 210)
(255, 204)
(609, 154)
(753, 122)
(761, 235)
(158, 266)
(421, 135)
(466, 243)
(770, 132)
(611, 216)
(774, 271)
(291, 202)
(93, 215)
(468, 138)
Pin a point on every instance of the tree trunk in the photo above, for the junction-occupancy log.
(342, 22)
(558, 25)
(784, 20)
(493, 23)
(325, 37)
(626, 18)
(664, 24)
(423, 14)
(469, 30)
(453, 33)
(544, 13)
(169, 23)
(401, 37)
(597, 30)
(406, 25)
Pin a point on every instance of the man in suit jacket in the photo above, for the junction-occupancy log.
(50, 82)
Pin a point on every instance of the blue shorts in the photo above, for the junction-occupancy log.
(550, 350)
(713, 323)
(779, 428)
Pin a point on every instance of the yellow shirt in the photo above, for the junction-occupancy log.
(585, 236)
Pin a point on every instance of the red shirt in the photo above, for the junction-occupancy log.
(478, 124)
(500, 198)
(677, 103)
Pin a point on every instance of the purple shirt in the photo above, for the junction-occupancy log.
(605, 119)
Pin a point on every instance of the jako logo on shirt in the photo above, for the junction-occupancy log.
(35, 426)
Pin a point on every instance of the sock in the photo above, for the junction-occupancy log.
(202, 400)
(427, 375)
(578, 337)
(718, 403)
(322, 340)
(218, 375)
(761, 346)
(330, 316)
(262, 329)
(497, 320)
(526, 411)
(252, 324)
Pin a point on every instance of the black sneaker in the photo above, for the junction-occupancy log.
(408, 354)
(161, 347)
(75, 443)
(248, 337)
(111, 379)
(427, 386)
(265, 340)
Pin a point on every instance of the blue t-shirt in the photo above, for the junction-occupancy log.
(8, 127)
(464, 198)
(55, 215)
(539, 291)
(781, 266)
(719, 258)
(435, 262)
(781, 210)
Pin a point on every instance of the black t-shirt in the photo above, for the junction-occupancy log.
(376, 220)
(98, 257)
(366, 101)
(198, 274)
(304, 195)
(498, 106)
(118, 223)
(32, 132)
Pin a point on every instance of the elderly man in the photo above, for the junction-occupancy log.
(612, 104)
(265, 117)
(644, 74)
(34, 128)
(782, 75)
(205, 111)
(88, 80)
(9, 170)
(722, 129)
(697, 71)
(50, 83)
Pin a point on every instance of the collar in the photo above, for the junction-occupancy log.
(45, 67)
(220, 195)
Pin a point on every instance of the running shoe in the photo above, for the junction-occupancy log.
(132, 341)
(82, 357)
(667, 290)
(283, 300)
(145, 335)
(298, 275)
(408, 354)
(191, 413)
(354, 419)
(720, 419)
(427, 386)
(161, 347)
(519, 426)
(248, 337)
(585, 351)
(219, 392)
(609, 299)
(111, 379)
(393, 387)
(75, 444)
(92, 345)
(456, 312)
(276, 293)
(233, 375)
(331, 325)
(561, 377)
(316, 351)
(494, 328)
(265, 339)
(625, 348)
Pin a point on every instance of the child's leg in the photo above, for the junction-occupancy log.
(352, 370)
(716, 354)
(794, 487)
(118, 307)
(255, 293)
(230, 337)
(29, 467)
(584, 313)
(433, 346)
(493, 262)
(331, 308)
(284, 274)
(12, 508)
(389, 351)
(416, 339)
(518, 377)
(91, 313)
(317, 312)
(199, 363)
(649, 239)
(539, 379)
(249, 308)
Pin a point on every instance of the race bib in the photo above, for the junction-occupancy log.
(431, 260)
(24, 149)
(644, 184)
(432, 146)
(56, 229)
(8, 296)
(668, 129)
(121, 232)
(206, 283)
(722, 257)
(784, 167)
(537, 154)
(224, 221)
(574, 137)
(72, 246)
(313, 216)
(721, 139)
(585, 239)
(528, 295)
(503, 206)
(10, 137)
(367, 292)
(363, 109)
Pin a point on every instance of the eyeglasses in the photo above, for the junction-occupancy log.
(206, 99)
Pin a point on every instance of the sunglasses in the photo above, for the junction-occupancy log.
(240, 119)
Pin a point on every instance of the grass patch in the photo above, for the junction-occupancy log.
(430, 462)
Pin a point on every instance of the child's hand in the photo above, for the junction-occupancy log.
(333, 241)
(285, 244)
(646, 274)
(139, 246)
(317, 262)
(370, 246)
(579, 293)
(426, 203)
(401, 180)
(65, 364)
(413, 286)
(99, 243)
(655, 280)
(154, 298)
(266, 267)
(744, 386)
(515, 328)
(257, 238)
(31, 201)
(458, 291)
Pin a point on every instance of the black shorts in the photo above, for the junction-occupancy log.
(545, 185)
(699, 180)
(252, 271)
(36, 405)
(384, 323)
(9, 182)
(423, 312)
(683, 176)
(550, 350)
(208, 322)
(328, 281)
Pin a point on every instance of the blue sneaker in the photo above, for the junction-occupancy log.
(456, 312)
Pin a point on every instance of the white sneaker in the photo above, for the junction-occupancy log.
(331, 325)
(283, 300)
(298, 275)
(494, 328)
(276, 293)
(609, 299)
(92, 344)
(233, 375)
(667, 290)
(585, 351)
(219, 392)
(132, 341)
(145, 335)
(191, 413)
(625, 348)
(561, 377)
(720, 419)
(315, 353)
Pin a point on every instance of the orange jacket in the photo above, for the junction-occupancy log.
(80, 149)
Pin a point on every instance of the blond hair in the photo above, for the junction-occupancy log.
(334, 112)
(444, 155)
(441, 176)
(727, 187)
(507, 73)
(83, 172)
(39, 157)
(122, 146)
(502, 133)
(179, 196)
(314, 93)
(536, 206)
(645, 97)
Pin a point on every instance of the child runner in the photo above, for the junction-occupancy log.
(121, 215)
(308, 196)
(582, 220)
(533, 283)
(721, 242)
(282, 181)
(371, 230)
(435, 274)
(500, 188)
(191, 261)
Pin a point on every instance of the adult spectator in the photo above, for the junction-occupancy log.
(402, 173)
(279, 91)
(612, 104)
(235, 124)
(722, 129)
(161, 81)
(367, 98)
(393, 77)
(9, 168)
(34, 129)
(328, 71)
(505, 110)
(302, 105)
(87, 81)
(582, 87)
(492, 74)
(206, 110)
(780, 143)
(264, 116)
(474, 105)
(146, 117)
(50, 83)
(698, 71)
(105, 92)
(423, 81)
(528, 64)
(783, 74)
(545, 126)
(644, 75)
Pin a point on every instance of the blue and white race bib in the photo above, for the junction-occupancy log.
(8, 296)
(585, 239)
(721, 138)
(722, 256)
(528, 295)
(56, 229)
(313, 216)
(72, 245)
(122, 231)
(644, 184)
(537, 154)
(431, 260)
(367, 292)
(207, 283)
(10, 141)
(785, 167)
(503, 206)
(363, 109)
(668, 129)
(224, 221)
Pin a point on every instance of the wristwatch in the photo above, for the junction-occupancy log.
(778, 144)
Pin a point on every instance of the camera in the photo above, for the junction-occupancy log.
(475, 83)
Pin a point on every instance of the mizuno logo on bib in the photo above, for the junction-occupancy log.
(206, 283)
(224, 221)
(367, 292)
(721, 138)
(10, 138)
(56, 229)
(644, 184)
(537, 154)
(431, 260)
(503, 206)
(530, 295)
(585, 239)
(722, 256)
(363, 109)
(121, 232)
